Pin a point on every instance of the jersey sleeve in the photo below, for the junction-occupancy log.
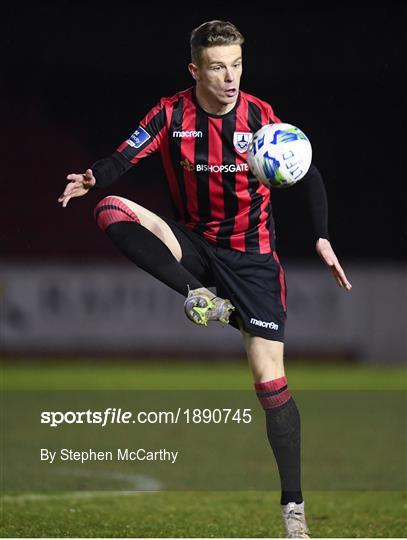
(315, 193)
(148, 136)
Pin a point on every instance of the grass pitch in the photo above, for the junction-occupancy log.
(198, 513)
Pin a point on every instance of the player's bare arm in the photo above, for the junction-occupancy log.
(327, 254)
(79, 185)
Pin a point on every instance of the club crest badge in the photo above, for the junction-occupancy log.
(241, 140)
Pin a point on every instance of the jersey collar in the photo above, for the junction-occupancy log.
(194, 98)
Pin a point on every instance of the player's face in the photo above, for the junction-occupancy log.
(218, 74)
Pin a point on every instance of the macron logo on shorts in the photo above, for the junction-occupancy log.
(139, 137)
(272, 325)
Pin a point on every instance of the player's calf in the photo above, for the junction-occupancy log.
(284, 434)
(128, 232)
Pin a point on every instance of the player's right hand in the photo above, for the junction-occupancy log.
(79, 184)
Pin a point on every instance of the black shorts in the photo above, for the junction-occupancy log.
(253, 282)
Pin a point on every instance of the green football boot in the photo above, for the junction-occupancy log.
(201, 307)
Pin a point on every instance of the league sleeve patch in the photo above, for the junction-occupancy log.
(139, 137)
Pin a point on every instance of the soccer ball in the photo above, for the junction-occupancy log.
(279, 155)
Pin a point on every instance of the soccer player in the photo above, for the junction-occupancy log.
(223, 233)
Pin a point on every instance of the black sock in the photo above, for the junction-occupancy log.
(284, 432)
(284, 435)
(151, 254)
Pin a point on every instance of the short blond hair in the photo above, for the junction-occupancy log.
(212, 34)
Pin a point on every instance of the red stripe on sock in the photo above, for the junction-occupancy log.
(276, 400)
(111, 210)
(271, 386)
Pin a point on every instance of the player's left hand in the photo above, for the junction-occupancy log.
(327, 254)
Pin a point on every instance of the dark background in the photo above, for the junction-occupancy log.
(79, 76)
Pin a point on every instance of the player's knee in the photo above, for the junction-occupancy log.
(111, 210)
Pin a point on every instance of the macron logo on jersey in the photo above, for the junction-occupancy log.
(188, 134)
(139, 137)
(272, 325)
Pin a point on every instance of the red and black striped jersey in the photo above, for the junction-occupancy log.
(204, 156)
